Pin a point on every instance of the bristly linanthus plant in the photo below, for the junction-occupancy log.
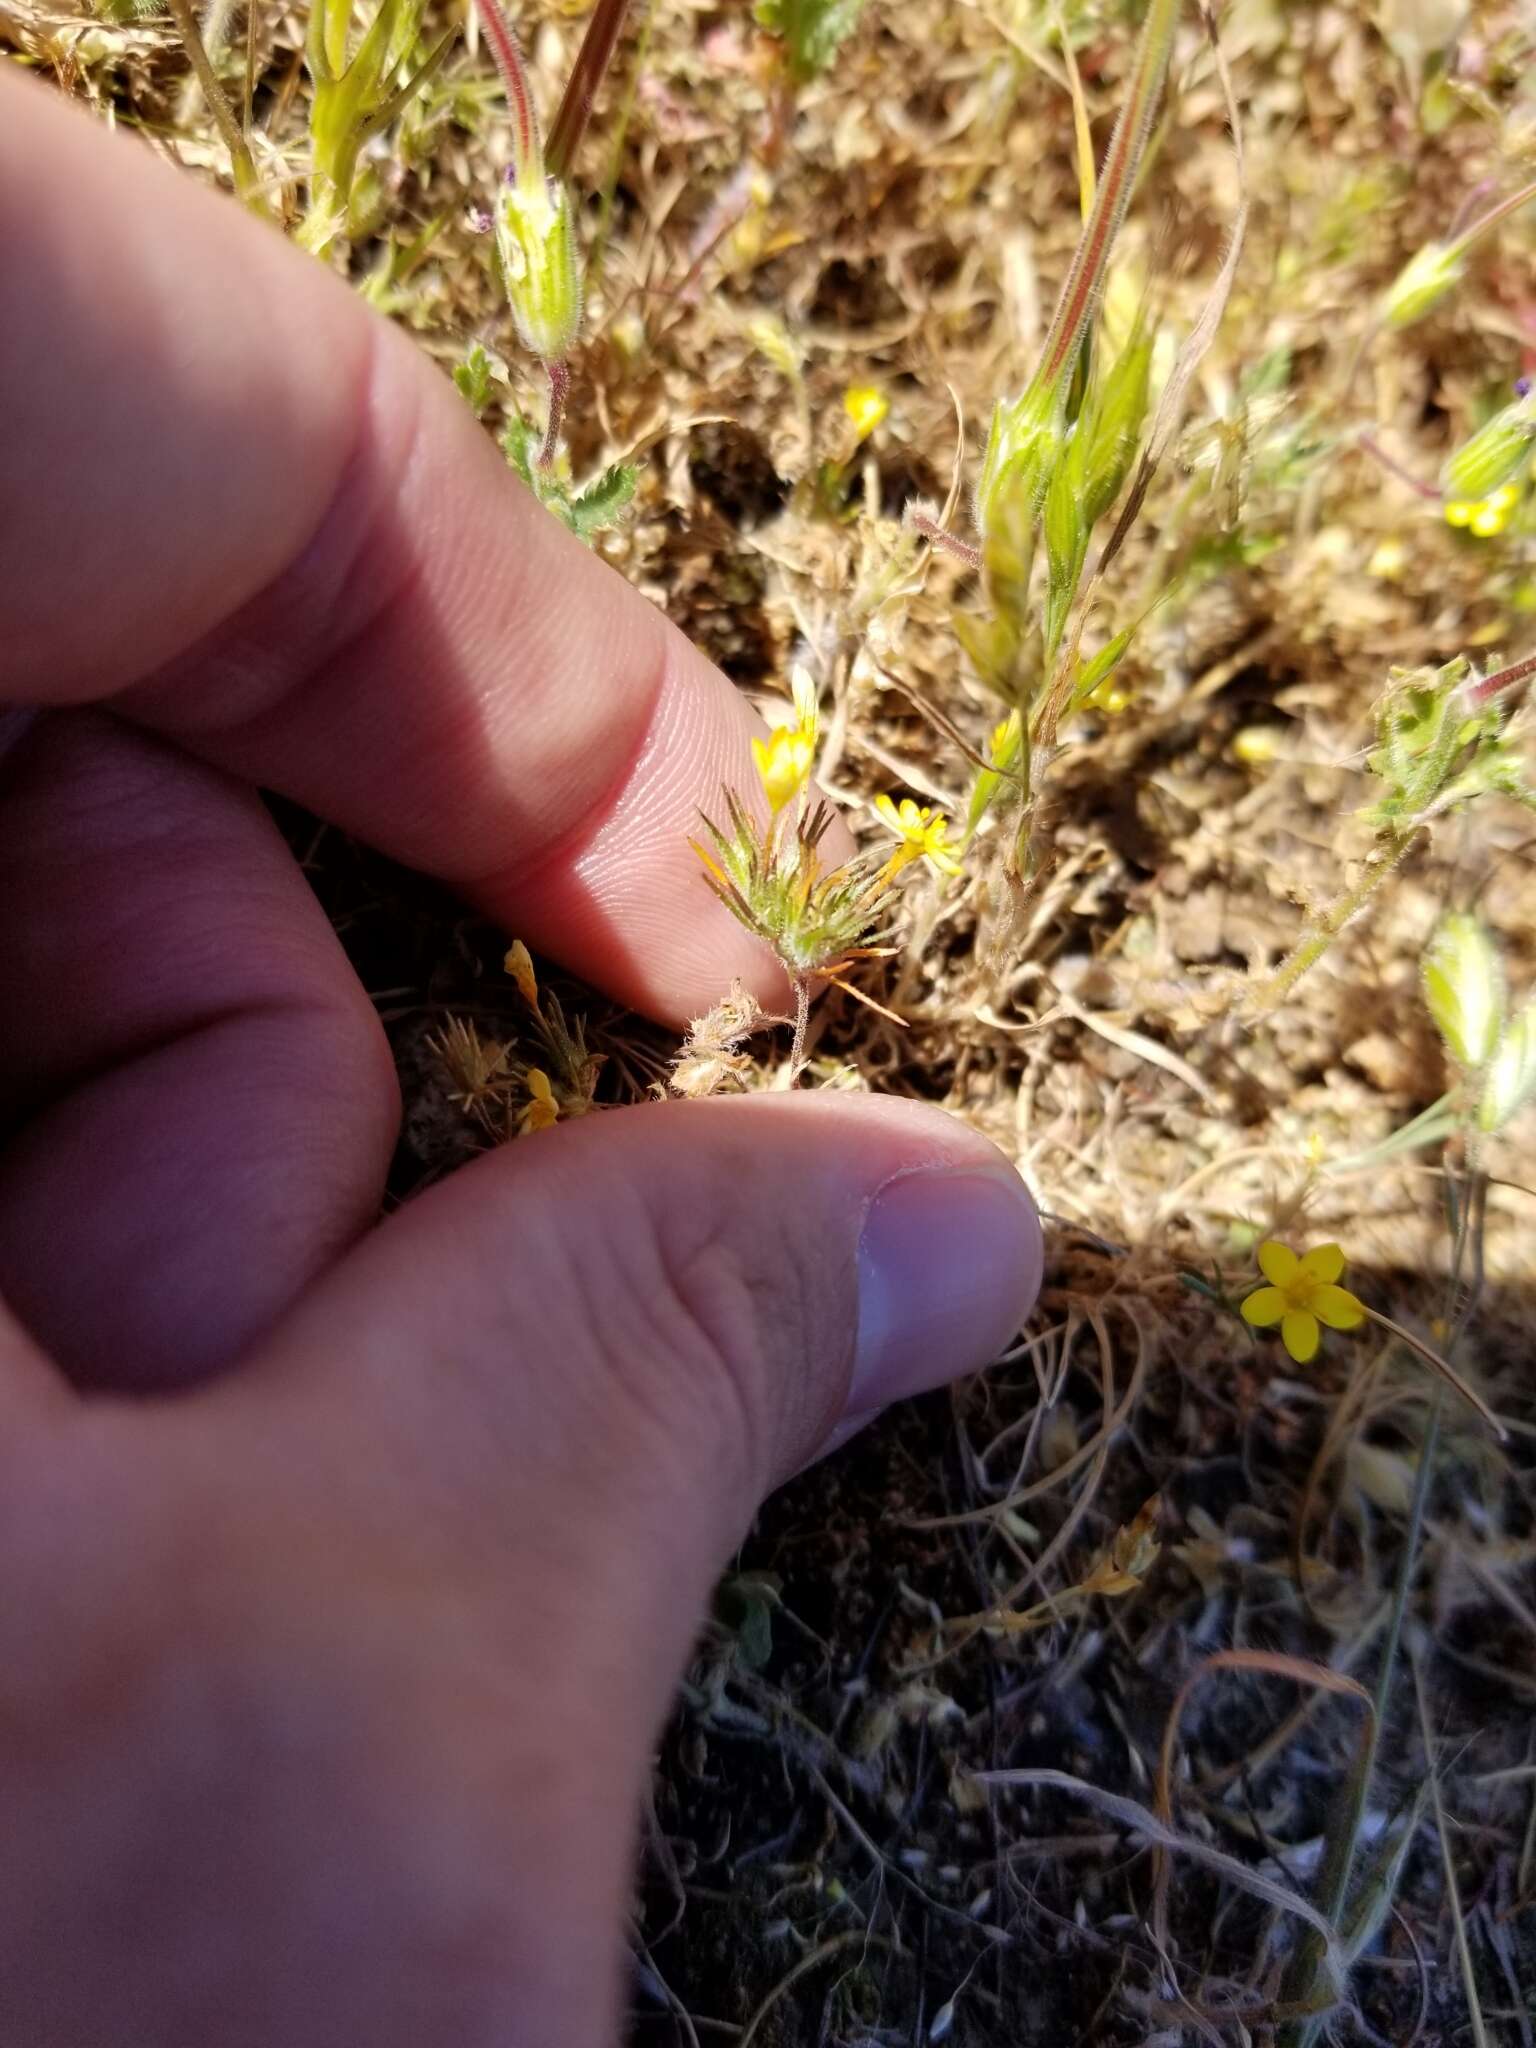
(817, 922)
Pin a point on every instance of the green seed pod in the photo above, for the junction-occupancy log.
(1114, 433)
(536, 240)
(1494, 454)
(1066, 539)
(1464, 988)
(1421, 284)
(1511, 1076)
(1102, 665)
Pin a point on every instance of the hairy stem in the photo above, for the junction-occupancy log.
(559, 391)
(1314, 942)
(527, 148)
(1085, 280)
(242, 163)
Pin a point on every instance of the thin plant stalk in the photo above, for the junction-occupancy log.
(1490, 219)
(587, 74)
(1343, 910)
(1085, 280)
(1477, 694)
(242, 163)
(1301, 1978)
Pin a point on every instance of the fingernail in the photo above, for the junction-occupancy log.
(949, 1265)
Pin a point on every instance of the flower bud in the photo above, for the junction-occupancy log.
(1421, 284)
(536, 240)
(1493, 455)
(1511, 1077)
(1464, 989)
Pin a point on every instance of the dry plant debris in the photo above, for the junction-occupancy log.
(1053, 1711)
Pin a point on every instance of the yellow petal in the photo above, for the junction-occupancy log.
(1323, 1264)
(1264, 1307)
(1278, 1263)
(1336, 1307)
(886, 811)
(518, 964)
(1299, 1334)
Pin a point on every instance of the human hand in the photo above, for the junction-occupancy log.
(328, 1684)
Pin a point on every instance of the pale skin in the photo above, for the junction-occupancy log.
(347, 1568)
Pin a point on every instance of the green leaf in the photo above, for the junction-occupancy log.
(601, 502)
(520, 443)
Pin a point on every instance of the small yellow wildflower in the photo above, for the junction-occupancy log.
(924, 835)
(784, 763)
(785, 759)
(1302, 1293)
(541, 1109)
(867, 406)
(1483, 516)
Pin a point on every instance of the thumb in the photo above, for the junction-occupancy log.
(698, 1297)
(588, 1356)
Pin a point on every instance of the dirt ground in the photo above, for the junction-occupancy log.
(823, 1863)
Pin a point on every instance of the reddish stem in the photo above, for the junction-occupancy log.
(527, 151)
(951, 543)
(587, 73)
(559, 391)
(1478, 693)
(1373, 447)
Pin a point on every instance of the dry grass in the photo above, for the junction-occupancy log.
(825, 1864)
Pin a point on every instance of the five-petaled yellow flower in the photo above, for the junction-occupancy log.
(1302, 1293)
(924, 835)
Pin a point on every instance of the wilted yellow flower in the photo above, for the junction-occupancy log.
(541, 1109)
(1302, 1293)
(519, 965)
(867, 406)
(924, 835)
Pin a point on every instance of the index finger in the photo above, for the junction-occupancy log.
(257, 520)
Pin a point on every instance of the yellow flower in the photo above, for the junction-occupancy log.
(924, 835)
(520, 966)
(1483, 516)
(867, 406)
(1301, 1294)
(541, 1109)
(785, 759)
(784, 762)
